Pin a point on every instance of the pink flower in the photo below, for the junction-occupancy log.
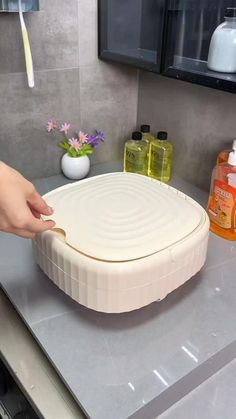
(51, 125)
(65, 128)
(74, 143)
(83, 138)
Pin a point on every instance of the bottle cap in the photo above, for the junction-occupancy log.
(232, 158)
(230, 12)
(136, 135)
(234, 145)
(162, 135)
(145, 128)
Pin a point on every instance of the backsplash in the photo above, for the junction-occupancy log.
(200, 122)
(71, 84)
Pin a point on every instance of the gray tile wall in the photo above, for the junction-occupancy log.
(200, 121)
(71, 84)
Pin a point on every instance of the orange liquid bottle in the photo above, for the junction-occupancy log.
(222, 200)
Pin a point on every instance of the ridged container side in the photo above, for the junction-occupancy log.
(106, 299)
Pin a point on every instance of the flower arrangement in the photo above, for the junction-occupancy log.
(81, 144)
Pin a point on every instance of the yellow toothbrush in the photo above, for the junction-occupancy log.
(28, 56)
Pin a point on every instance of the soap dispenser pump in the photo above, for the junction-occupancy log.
(224, 154)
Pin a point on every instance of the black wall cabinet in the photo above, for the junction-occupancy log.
(171, 37)
(130, 31)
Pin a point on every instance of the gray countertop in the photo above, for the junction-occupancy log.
(137, 364)
(214, 399)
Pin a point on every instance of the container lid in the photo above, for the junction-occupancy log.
(136, 135)
(122, 216)
(162, 135)
(145, 128)
(230, 12)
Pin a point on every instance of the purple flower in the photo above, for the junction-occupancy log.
(93, 140)
(100, 136)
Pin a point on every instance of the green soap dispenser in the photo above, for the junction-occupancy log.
(136, 154)
(146, 133)
(160, 157)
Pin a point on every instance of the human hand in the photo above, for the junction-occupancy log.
(20, 205)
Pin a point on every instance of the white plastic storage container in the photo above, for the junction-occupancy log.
(122, 241)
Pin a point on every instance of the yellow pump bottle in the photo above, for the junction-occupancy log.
(136, 154)
(222, 200)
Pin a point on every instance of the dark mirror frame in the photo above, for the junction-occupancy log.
(164, 62)
(105, 54)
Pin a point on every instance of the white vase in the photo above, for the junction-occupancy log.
(75, 167)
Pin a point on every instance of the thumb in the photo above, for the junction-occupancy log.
(37, 203)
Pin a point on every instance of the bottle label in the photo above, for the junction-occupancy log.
(159, 159)
(136, 160)
(221, 204)
(160, 164)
